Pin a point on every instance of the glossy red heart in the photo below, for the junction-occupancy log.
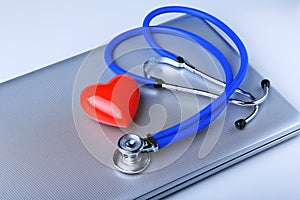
(114, 103)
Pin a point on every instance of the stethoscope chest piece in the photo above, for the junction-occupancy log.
(129, 158)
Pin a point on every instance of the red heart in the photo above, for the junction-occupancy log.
(114, 103)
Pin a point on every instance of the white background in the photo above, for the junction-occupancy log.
(34, 34)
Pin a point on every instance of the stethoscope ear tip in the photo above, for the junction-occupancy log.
(240, 124)
(180, 59)
(265, 83)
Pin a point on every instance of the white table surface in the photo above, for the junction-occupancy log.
(34, 34)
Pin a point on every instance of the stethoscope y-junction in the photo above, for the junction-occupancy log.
(132, 155)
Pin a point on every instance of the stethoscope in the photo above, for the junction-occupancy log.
(133, 153)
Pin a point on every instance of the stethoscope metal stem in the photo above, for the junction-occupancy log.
(181, 63)
(189, 90)
(214, 96)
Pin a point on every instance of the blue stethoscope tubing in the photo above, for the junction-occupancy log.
(207, 115)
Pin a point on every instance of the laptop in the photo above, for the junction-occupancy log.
(51, 149)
